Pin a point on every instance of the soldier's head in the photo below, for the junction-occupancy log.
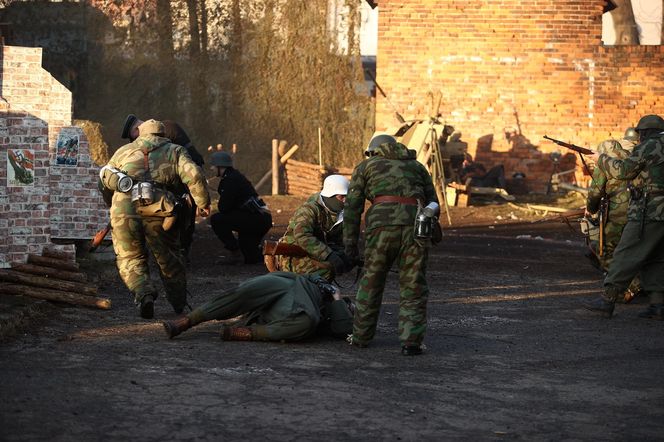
(221, 161)
(151, 127)
(377, 141)
(649, 125)
(130, 128)
(335, 189)
(631, 134)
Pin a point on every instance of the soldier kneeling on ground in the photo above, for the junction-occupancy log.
(279, 306)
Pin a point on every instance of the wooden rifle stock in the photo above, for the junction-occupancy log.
(99, 237)
(282, 248)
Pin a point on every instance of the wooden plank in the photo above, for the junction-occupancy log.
(53, 262)
(50, 272)
(55, 295)
(39, 281)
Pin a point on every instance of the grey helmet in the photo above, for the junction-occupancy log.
(631, 134)
(376, 141)
(650, 122)
(221, 159)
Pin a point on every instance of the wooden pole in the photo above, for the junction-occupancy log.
(56, 295)
(320, 147)
(50, 272)
(275, 167)
(53, 262)
(51, 283)
(282, 161)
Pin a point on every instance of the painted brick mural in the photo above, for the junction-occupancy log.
(48, 188)
(513, 71)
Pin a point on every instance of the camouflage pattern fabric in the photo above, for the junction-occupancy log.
(392, 171)
(314, 228)
(615, 191)
(170, 166)
(644, 167)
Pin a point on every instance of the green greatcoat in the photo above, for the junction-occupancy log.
(280, 306)
(170, 166)
(391, 171)
(318, 231)
(641, 247)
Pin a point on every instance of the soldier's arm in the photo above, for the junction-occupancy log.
(304, 223)
(429, 190)
(596, 190)
(626, 169)
(353, 208)
(192, 176)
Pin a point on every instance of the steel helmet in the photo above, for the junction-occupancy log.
(650, 122)
(151, 127)
(377, 140)
(221, 159)
(335, 185)
(631, 134)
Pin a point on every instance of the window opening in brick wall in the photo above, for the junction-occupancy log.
(633, 22)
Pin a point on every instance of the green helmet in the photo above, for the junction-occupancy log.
(650, 122)
(221, 159)
(631, 134)
(377, 141)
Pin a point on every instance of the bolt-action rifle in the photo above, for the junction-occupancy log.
(578, 149)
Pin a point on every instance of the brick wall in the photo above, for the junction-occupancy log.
(534, 66)
(62, 203)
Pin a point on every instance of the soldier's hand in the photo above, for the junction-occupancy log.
(204, 211)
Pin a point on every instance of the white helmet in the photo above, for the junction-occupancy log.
(335, 185)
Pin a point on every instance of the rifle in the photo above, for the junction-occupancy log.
(99, 237)
(282, 248)
(562, 217)
(578, 149)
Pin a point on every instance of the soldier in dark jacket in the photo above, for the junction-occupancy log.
(397, 185)
(241, 211)
(279, 306)
(641, 247)
(177, 135)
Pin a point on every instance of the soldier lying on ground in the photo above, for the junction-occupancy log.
(279, 306)
(479, 176)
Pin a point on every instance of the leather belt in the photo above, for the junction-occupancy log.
(395, 199)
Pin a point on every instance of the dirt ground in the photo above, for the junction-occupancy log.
(510, 355)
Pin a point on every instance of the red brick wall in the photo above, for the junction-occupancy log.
(536, 66)
(63, 202)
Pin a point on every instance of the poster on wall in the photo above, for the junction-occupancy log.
(67, 149)
(20, 167)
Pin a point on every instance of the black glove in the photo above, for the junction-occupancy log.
(337, 261)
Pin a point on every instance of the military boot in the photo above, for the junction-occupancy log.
(655, 311)
(236, 333)
(146, 307)
(176, 326)
(411, 350)
(602, 305)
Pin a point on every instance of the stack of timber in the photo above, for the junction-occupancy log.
(303, 179)
(52, 277)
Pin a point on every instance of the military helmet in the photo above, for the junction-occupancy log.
(335, 185)
(650, 122)
(221, 159)
(151, 127)
(377, 140)
(128, 124)
(631, 134)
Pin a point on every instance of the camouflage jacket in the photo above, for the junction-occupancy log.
(169, 164)
(392, 171)
(644, 167)
(314, 228)
(610, 188)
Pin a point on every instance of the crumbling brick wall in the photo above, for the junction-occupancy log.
(61, 202)
(534, 67)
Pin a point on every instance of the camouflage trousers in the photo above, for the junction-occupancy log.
(132, 236)
(638, 252)
(612, 233)
(384, 246)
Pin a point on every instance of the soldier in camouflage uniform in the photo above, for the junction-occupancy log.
(396, 184)
(169, 166)
(316, 226)
(610, 198)
(641, 247)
